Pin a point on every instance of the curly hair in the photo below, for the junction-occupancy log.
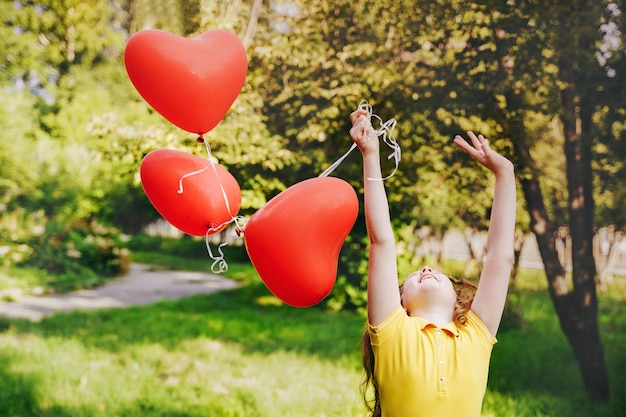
(465, 291)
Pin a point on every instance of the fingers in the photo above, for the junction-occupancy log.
(356, 132)
(360, 115)
(479, 142)
(476, 141)
(362, 129)
(462, 143)
(358, 129)
(479, 149)
(357, 114)
(360, 118)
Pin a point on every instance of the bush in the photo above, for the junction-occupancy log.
(77, 255)
(16, 228)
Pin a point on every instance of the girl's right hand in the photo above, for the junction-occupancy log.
(362, 132)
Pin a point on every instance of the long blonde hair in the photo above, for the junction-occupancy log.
(465, 291)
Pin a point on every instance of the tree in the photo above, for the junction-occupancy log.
(578, 311)
(571, 34)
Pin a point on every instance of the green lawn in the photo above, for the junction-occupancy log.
(242, 353)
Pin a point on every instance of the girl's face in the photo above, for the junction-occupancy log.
(427, 287)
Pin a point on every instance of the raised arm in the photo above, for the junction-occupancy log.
(490, 296)
(382, 283)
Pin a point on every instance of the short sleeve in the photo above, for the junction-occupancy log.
(387, 327)
(477, 323)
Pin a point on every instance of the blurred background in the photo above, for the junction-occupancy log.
(543, 80)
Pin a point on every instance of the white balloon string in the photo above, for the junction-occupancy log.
(385, 131)
(219, 181)
(180, 182)
(219, 263)
(337, 162)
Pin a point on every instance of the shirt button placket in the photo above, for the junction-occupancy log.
(440, 363)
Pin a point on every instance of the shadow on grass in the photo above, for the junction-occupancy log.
(17, 396)
(248, 316)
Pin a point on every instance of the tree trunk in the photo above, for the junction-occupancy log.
(578, 312)
(520, 239)
(540, 224)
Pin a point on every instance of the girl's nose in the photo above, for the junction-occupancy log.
(426, 269)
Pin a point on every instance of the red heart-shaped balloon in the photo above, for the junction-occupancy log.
(191, 82)
(210, 196)
(294, 240)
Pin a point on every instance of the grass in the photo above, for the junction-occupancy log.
(227, 354)
(15, 282)
(534, 373)
(242, 353)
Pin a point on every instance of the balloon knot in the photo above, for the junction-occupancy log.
(200, 139)
(239, 231)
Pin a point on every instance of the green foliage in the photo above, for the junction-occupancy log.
(350, 292)
(609, 163)
(45, 208)
(77, 255)
(55, 54)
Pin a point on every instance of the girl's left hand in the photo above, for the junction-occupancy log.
(483, 154)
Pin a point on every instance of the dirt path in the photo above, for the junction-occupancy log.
(142, 285)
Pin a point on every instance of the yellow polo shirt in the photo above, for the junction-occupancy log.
(424, 370)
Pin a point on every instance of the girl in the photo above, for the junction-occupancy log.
(427, 347)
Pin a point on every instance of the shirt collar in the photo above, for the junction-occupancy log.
(450, 328)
